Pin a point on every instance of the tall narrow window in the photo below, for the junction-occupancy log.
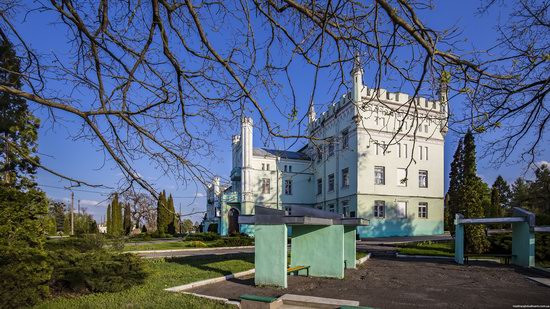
(319, 154)
(401, 209)
(267, 166)
(379, 175)
(401, 177)
(319, 186)
(263, 166)
(345, 139)
(426, 128)
(421, 150)
(330, 182)
(331, 208)
(290, 168)
(379, 209)
(345, 178)
(423, 179)
(399, 149)
(288, 187)
(345, 208)
(266, 186)
(406, 151)
(285, 168)
(426, 148)
(423, 210)
(331, 148)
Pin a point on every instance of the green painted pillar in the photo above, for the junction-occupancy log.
(224, 224)
(270, 256)
(523, 244)
(350, 251)
(459, 240)
(320, 247)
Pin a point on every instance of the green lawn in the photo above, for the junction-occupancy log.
(163, 274)
(161, 246)
(428, 248)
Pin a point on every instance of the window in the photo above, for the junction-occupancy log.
(423, 210)
(285, 168)
(352, 214)
(263, 166)
(379, 175)
(345, 139)
(426, 148)
(290, 168)
(288, 187)
(421, 150)
(266, 187)
(419, 127)
(426, 128)
(319, 186)
(267, 166)
(331, 148)
(406, 151)
(423, 179)
(345, 209)
(379, 209)
(319, 154)
(399, 149)
(401, 175)
(345, 178)
(401, 209)
(331, 208)
(330, 182)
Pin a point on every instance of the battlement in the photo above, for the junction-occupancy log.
(380, 95)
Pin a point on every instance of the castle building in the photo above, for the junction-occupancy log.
(372, 154)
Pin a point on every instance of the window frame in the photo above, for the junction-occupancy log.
(425, 212)
(345, 180)
(331, 183)
(383, 178)
(266, 183)
(319, 186)
(379, 205)
(288, 186)
(420, 175)
(345, 139)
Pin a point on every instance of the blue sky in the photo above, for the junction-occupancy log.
(80, 158)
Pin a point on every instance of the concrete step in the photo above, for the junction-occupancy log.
(303, 301)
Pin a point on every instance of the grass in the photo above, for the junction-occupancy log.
(163, 273)
(162, 246)
(360, 254)
(428, 248)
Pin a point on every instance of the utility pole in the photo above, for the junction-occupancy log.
(78, 211)
(72, 213)
(179, 220)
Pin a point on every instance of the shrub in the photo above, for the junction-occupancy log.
(95, 271)
(233, 241)
(196, 244)
(209, 236)
(81, 244)
(24, 276)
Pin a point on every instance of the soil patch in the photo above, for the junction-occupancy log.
(403, 283)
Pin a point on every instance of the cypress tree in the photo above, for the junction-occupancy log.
(496, 209)
(471, 197)
(116, 216)
(171, 218)
(127, 219)
(161, 214)
(505, 193)
(455, 184)
(109, 220)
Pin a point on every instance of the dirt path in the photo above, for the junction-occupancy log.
(400, 283)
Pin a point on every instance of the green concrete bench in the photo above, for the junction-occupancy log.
(261, 299)
(505, 257)
(296, 269)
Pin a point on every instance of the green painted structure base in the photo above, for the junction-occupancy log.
(459, 242)
(523, 245)
(319, 247)
(270, 257)
(350, 252)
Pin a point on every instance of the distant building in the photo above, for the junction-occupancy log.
(358, 164)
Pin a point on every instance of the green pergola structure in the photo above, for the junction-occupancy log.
(323, 241)
(523, 235)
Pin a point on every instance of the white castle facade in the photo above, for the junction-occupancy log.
(373, 155)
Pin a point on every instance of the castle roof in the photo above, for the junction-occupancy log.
(284, 154)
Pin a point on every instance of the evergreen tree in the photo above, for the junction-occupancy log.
(540, 191)
(116, 216)
(127, 219)
(520, 194)
(455, 185)
(172, 221)
(18, 127)
(471, 198)
(162, 217)
(504, 194)
(57, 211)
(109, 220)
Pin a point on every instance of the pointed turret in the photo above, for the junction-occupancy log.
(357, 77)
(312, 116)
(444, 101)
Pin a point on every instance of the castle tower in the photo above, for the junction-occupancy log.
(357, 78)
(246, 172)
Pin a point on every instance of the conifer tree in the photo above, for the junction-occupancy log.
(505, 193)
(109, 220)
(496, 209)
(18, 127)
(471, 197)
(116, 216)
(127, 219)
(171, 216)
(455, 185)
(161, 214)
